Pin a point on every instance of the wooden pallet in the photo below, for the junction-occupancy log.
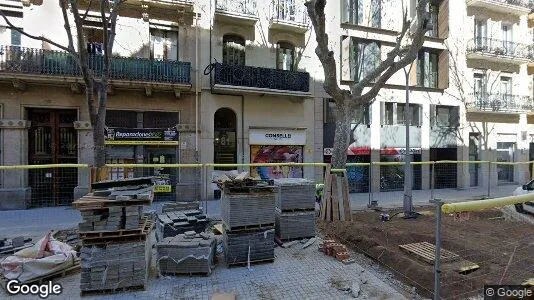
(112, 291)
(90, 202)
(427, 252)
(122, 237)
(252, 262)
(247, 228)
(296, 210)
(13, 250)
(285, 240)
(191, 274)
(39, 280)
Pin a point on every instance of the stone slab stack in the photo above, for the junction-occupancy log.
(115, 253)
(247, 212)
(189, 253)
(295, 208)
(114, 266)
(172, 223)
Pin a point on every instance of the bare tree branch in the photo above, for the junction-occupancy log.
(326, 56)
(31, 36)
(63, 4)
(87, 10)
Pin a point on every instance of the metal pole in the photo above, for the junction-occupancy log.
(369, 185)
(437, 259)
(407, 202)
(432, 182)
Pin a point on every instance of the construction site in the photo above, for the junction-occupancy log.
(264, 239)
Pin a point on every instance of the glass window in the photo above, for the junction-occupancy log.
(427, 69)
(354, 12)
(414, 111)
(163, 44)
(376, 13)
(233, 50)
(366, 58)
(388, 113)
(432, 10)
(285, 56)
(15, 38)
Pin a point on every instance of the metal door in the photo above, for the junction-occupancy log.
(52, 140)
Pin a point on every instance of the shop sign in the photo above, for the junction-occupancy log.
(276, 136)
(328, 151)
(162, 184)
(140, 135)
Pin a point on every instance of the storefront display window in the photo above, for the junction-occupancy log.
(276, 154)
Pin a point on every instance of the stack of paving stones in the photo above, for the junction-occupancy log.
(172, 223)
(114, 266)
(247, 212)
(14, 244)
(115, 254)
(295, 208)
(189, 253)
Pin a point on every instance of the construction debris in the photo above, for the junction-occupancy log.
(12, 245)
(295, 208)
(115, 253)
(172, 223)
(247, 212)
(188, 253)
(337, 250)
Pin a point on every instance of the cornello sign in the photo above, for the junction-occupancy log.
(141, 136)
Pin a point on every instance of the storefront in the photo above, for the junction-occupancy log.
(392, 176)
(277, 145)
(126, 145)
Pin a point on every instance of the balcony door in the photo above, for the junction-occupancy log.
(481, 33)
(479, 90)
(506, 31)
(286, 10)
(506, 91)
(163, 44)
(233, 50)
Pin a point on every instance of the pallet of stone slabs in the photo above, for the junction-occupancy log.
(122, 183)
(279, 241)
(246, 189)
(113, 233)
(426, 252)
(294, 210)
(11, 250)
(39, 280)
(113, 291)
(252, 262)
(90, 202)
(248, 228)
(122, 237)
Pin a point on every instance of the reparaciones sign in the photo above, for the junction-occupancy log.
(140, 135)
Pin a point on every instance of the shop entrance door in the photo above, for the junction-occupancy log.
(52, 140)
(166, 178)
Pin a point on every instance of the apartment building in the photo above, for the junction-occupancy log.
(217, 81)
(470, 92)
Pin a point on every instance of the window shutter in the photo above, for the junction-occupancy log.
(443, 19)
(360, 12)
(345, 58)
(383, 113)
(443, 69)
(455, 116)
(432, 115)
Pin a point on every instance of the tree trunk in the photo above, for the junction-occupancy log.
(341, 137)
(96, 101)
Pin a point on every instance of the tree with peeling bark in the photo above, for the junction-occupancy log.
(363, 92)
(96, 81)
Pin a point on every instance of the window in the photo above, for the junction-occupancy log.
(353, 12)
(388, 113)
(233, 50)
(427, 69)
(95, 40)
(506, 85)
(444, 116)
(285, 56)
(9, 37)
(286, 10)
(432, 10)
(163, 44)
(366, 57)
(481, 31)
(329, 111)
(415, 114)
(507, 46)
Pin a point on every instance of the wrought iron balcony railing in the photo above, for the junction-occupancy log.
(292, 11)
(521, 3)
(500, 102)
(242, 7)
(255, 77)
(14, 59)
(501, 48)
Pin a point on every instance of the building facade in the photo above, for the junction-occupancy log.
(237, 81)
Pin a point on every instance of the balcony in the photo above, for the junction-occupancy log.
(517, 7)
(289, 15)
(38, 65)
(246, 79)
(498, 102)
(499, 51)
(240, 12)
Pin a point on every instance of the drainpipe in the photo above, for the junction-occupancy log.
(196, 87)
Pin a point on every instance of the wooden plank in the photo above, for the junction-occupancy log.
(335, 202)
(339, 193)
(426, 252)
(346, 199)
(326, 193)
